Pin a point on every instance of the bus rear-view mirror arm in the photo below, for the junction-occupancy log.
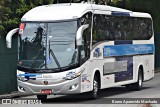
(9, 37)
(80, 33)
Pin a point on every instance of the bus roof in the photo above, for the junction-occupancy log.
(69, 11)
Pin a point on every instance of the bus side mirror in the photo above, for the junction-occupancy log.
(9, 37)
(80, 33)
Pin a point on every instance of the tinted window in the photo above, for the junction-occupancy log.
(86, 37)
(107, 27)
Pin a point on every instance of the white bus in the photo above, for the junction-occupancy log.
(77, 48)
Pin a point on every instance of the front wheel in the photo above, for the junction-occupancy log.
(94, 92)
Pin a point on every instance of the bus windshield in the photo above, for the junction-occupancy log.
(47, 45)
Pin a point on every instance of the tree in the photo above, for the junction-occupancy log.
(1, 14)
(11, 12)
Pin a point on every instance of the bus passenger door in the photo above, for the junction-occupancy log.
(84, 62)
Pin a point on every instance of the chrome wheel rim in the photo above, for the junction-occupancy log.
(140, 80)
(95, 87)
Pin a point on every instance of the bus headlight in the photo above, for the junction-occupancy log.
(71, 75)
(23, 79)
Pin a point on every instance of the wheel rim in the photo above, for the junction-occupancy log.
(95, 87)
(140, 81)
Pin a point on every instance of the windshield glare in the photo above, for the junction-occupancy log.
(48, 45)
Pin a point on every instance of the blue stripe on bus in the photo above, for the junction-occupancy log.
(127, 49)
(116, 13)
(29, 75)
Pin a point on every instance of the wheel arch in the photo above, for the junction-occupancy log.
(98, 74)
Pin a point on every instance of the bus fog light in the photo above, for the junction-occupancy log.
(21, 88)
(23, 79)
(72, 87)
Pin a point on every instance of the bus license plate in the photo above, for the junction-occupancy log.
(47, 91)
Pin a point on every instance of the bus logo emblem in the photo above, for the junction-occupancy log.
(97, 53)
(45, 82)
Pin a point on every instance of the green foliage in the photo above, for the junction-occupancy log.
(11, 12)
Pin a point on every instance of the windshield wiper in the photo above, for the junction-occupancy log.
(53, 55)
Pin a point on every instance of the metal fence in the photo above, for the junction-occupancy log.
(157, 51)
(8, 61)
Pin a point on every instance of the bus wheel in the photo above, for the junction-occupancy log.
(138, 85)
(94, 92)
(42, 97)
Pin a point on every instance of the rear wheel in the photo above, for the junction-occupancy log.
(42, 97)
(138, 85)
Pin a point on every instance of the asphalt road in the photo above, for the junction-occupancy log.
(151, 89)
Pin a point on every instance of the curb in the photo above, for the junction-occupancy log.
(13, 95)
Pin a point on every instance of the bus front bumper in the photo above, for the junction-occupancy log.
(66, 87)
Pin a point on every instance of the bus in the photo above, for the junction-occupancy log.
(81, 47)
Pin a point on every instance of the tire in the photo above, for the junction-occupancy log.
(42, 97)
(94, 93)
(138, 85)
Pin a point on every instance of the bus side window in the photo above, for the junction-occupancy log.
(101, 29)
(149, 28)
(85, 48)
(94, 38)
